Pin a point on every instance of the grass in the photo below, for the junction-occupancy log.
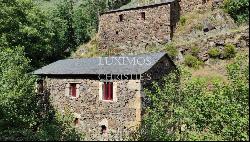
(88, 50)
(216, 71)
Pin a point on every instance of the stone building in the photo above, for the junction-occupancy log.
(139, 25)
(105, 94)
(135, 27)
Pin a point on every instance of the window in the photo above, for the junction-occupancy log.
(107, 89)
(103, 129)
(39, 86)
(143, 15)
(121, 17)
(73, 89)
(76, 121)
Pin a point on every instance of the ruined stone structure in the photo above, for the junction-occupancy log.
(134, 28)
(78, 86)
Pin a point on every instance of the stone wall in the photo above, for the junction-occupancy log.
(134, 33)
(120, 117)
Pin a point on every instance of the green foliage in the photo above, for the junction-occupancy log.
(238, 9)
(189, 110)
(214, 53)
(229, 51)
(22, 114)
(50, 35)
(192, 61)
(74, 23)
(198, 27)
(195, 51)
(171, 50)
(60, 128)
(183, 20)
(22, 24)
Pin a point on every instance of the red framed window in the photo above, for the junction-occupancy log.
(107, 88)
(73, 90)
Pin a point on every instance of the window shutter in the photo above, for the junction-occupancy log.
(110, 91)
(77, 90)
(67, 89)
(73, 90)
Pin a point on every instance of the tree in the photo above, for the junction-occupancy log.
(24, 25)
(22, 117)
(197, 110)
(238, 9)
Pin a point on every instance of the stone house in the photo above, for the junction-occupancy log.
(138, 25)
(105, 94)
(135, 27)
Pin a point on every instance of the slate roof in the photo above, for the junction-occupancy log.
(136, 5)
(94, 66)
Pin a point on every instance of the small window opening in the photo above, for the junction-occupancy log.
(121, 18)
(143, 15)
(103, 129)
(76, 121)
(117, 32)
(73, 89)
(40, 86)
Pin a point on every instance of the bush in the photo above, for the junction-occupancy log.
(24, 115)
(198, 27)
(192, 61)
(183, 20)
(229, 51)
(191, 111)
(238, 9)
(195, 51)
(171, 50)
(214, 53)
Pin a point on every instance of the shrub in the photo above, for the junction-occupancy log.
(238, 9)
(183, 20)
(198, 27)
(214, 53)
(171, 50)
(229, 51)
(195, 50)
(188, 111)
(192, 61)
